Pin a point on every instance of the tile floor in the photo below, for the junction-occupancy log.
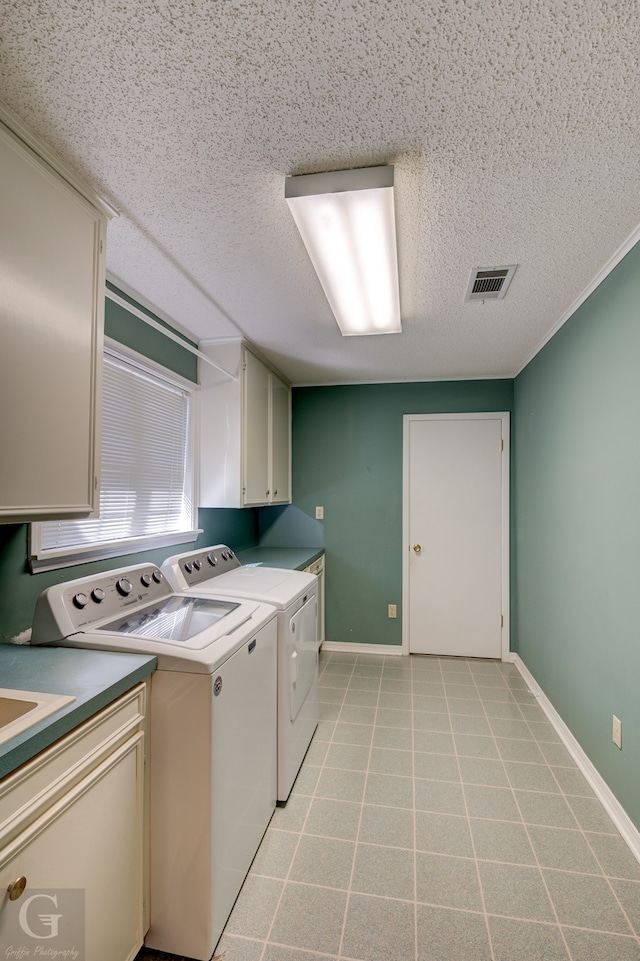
(437, 817)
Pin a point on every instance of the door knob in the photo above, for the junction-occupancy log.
(417, 548)
(16, 888)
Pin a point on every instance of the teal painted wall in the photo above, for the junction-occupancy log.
(128, 329)
(577, 524)
(347, 457)
(20, 588)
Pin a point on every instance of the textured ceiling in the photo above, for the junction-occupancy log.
(514, 129)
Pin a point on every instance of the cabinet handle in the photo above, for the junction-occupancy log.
(16, 888)
(267, 493)
(274, 493)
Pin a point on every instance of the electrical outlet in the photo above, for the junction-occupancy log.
(319, 513)
(392, 610)
(617, 732)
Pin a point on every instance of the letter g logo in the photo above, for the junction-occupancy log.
(49, 922)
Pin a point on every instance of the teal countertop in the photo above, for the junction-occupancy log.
(290, 558)
(94, 678)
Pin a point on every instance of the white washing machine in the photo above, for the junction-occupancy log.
(294, 594)
(212, 734)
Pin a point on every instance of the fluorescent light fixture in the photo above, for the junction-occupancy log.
(347, 222)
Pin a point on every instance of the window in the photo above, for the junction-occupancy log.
(147, 496)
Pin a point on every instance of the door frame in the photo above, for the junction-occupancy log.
(505, 418)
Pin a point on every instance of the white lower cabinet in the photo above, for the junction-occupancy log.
(73, 833)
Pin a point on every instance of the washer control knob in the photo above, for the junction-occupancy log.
(145, 580)
(98, 595)
(188, 566)
(158, 577)
(197, 564)
(124, 586)
(213, 560)
(80, 600)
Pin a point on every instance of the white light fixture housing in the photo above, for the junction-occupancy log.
(347, 221)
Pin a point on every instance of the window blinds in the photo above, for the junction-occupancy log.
(146, 475)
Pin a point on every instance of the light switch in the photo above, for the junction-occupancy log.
(617, 732)
(319, 513)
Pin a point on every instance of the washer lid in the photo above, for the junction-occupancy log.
(177, 619)
(194, 649)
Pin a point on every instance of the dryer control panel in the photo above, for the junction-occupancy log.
(64, 609)
(200, 566)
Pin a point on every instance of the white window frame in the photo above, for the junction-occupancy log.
(46, 560)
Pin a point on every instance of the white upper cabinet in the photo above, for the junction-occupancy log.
(280, 435)
(52, 257)
(255, 426)
(245, 449)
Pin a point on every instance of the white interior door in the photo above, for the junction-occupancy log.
(456, 534)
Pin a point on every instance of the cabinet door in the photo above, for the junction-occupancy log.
(221, 431)
(256, 431)
(280, 442)
(89, 841)
(51, 320)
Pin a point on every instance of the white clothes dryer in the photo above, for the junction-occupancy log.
(212, 766)
(294, 594)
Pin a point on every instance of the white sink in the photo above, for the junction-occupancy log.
(20, 710)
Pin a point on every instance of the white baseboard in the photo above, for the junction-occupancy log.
(601, 789)
(347, 648)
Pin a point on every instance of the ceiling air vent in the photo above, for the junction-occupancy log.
(489, 283)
